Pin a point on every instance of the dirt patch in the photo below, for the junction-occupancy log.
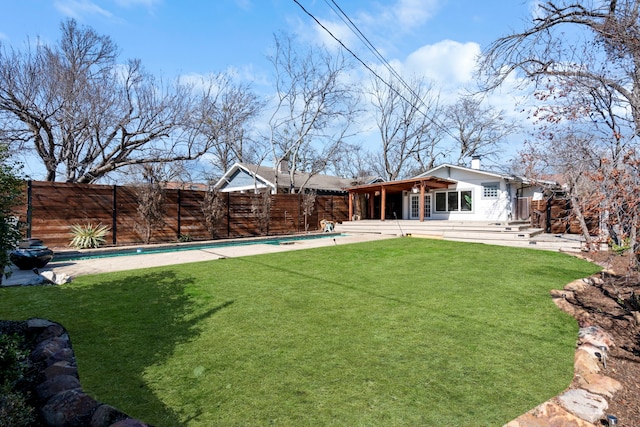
(612, 302)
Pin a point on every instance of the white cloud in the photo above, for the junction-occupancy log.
(78, 8)
(134, 3)
(448, 63)
(412, 13)
(380, 24)
(338, 29)
(244, 4)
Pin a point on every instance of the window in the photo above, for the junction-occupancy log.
(452, 201)
(490, 190)
(465, 201)
(441, 202)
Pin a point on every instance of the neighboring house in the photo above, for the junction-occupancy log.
(243, 177)
(448, 192)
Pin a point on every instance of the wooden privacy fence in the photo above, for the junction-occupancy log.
(555, 216)
(51, 208)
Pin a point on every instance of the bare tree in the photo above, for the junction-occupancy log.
(308, 205)
(406, 119)
(477, 130)
(223, 116)
(151, 196)
(86, 116)
(214, 208)
(313, 109)
(583, 58)
(354, 162)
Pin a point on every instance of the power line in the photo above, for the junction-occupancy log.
(354, 29)
(344, 46)
(372, 48)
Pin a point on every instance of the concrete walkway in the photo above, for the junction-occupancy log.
(142, 260)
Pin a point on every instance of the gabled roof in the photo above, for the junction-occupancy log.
(492, 174)
(247, 177)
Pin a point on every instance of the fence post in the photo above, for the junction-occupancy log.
(29, 207)
(114, 217)
(228, 215)
(179, 217)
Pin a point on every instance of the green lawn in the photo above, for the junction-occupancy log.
(401, 332)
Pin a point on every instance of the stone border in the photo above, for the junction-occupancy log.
(61, 402)
(584, 404)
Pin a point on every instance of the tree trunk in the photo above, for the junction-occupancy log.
(633, 243)
(583, 224)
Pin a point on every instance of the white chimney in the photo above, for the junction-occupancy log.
(475, 162)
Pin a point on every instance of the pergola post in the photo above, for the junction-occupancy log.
(383, 202)
(350, 206)
(421, 207)
(372, 204)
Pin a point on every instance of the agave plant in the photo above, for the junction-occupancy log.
(88, 236)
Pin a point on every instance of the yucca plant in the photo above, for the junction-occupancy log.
(88, 236)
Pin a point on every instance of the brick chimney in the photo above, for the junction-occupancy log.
(283, 165)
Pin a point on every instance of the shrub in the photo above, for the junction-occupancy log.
(14, 408)
(151, 198)
(183, 238)
(214, 208)
(88, 236)
(10, 197)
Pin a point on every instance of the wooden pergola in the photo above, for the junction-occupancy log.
(413, 185)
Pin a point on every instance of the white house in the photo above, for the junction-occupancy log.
(448, 192)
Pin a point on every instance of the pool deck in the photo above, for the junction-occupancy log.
(131, 262)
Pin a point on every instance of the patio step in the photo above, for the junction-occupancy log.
(518, 234)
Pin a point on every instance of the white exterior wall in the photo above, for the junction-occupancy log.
(483, 209)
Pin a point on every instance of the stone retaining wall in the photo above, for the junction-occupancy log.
(58, 394)
(584, 404)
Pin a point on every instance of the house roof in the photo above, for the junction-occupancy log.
(493, 174)
(265, 176)
(404, 185)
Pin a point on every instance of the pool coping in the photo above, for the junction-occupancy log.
(75, 268)
(152, 248)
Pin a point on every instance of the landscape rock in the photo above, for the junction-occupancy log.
(588, 406)
(61, 368)
(52, 331)
(106, 416)
(71, 408)
(37, 323)
(599, 384)
(64, 355)
(576, 285)
(56, 385)
(56, 279)
(49, 347)
(548, 414)
(595, 336)
(585, 363)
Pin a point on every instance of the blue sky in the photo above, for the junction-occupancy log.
(436, 38)
(200, 37)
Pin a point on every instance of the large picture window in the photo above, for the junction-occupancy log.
(455, 200)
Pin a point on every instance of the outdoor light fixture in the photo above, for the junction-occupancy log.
(415, 189)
